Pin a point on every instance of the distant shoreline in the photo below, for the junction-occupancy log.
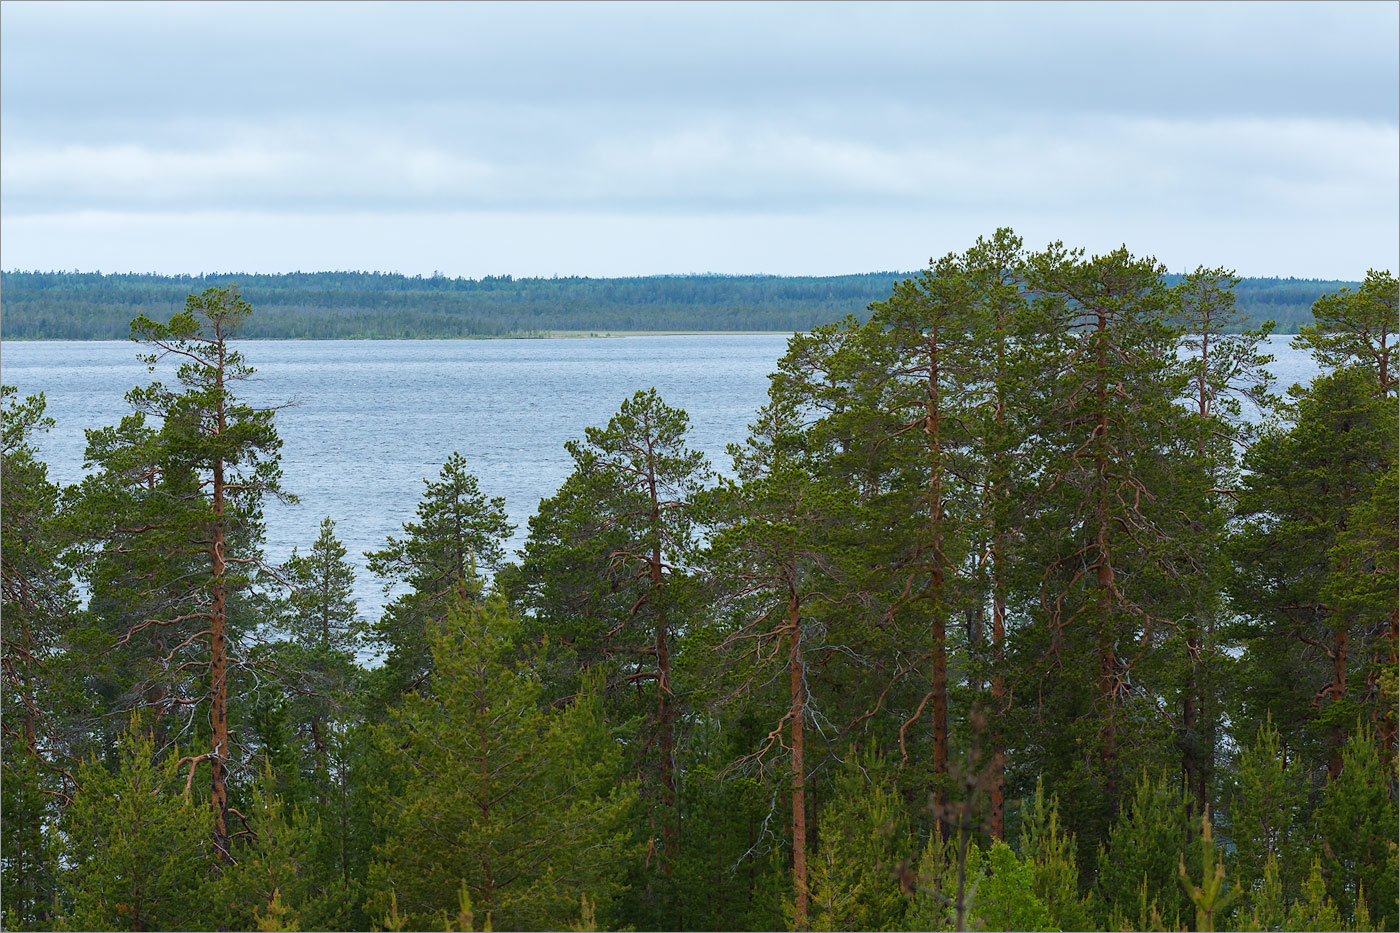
(370, 306)
(549, 335)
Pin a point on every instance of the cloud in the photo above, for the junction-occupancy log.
(1260, 125)
(723, 165)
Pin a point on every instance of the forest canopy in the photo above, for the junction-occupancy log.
(97, 306)
(1007, 617)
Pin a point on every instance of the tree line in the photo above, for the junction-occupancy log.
(94, 306)
(1011, 615)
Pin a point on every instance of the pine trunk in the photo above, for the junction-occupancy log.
(938, 660)
(799, 776)
(218, 668)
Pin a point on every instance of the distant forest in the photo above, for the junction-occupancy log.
(94, 306)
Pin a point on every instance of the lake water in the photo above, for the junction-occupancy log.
(372, 419)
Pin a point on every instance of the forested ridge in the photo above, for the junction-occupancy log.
(1008, 616)
(94, 306)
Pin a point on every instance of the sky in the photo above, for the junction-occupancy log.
(541, 139)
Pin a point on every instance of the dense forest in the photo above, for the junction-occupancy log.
(93, 306)
(1006, 618)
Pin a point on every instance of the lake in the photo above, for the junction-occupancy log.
(373, 418)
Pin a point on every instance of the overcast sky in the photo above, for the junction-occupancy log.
(627, 139)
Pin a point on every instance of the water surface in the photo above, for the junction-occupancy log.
(373, 418)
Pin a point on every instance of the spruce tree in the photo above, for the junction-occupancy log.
(458, 532)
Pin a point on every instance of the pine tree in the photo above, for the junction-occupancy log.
(1358, 328)
(606, 570)
(38, 703)
(1314, 910)
(1102, 534)
(1303, 541)
(134, 847)
(1227, 370)
(1052, 851)
(773, 563)
(525, 806)
(175, 516)
(315, 664)
(1138, 865)
(919, 346)
(1356, 823)
(863, 842)
(1266, 813)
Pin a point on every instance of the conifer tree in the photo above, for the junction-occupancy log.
(1048, 847)
(1301, 553)
(135, 852)
(773, 562)
(525, 806)
(320, 623)
(863, 842)
(1101, 532)
(1358, 328)
(606, 569)
(1314, 911)
(459, 531)
(1356, 824)
(919, 345)
(1266, 812)
(1002, 393)
(175, 517)
(1138, 864)
(1227, 370)
(38, 703)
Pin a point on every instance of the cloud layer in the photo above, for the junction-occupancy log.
(780, 138)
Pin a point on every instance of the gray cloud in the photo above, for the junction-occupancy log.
(1257, 125)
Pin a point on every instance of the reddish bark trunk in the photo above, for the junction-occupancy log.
(996, 816)
(1338, 689)
(1104, 577)
(938, 660)
(799, 776)
(665, 712)
(218, 669)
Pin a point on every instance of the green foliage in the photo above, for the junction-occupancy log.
(1356, 823)
(134, 851)
(1051, 851)
(458, 531)
(1213, 897)
(40, 705)
(320, 608)
(999, 890)
(720, 875)
(1304, 540)
(1266, 813)
(523, 805)
(863, 841)
(1138, 866)
(1314, 910)
(278, 878)
(1010, 438)
(1358, 328)
(1268, 910)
